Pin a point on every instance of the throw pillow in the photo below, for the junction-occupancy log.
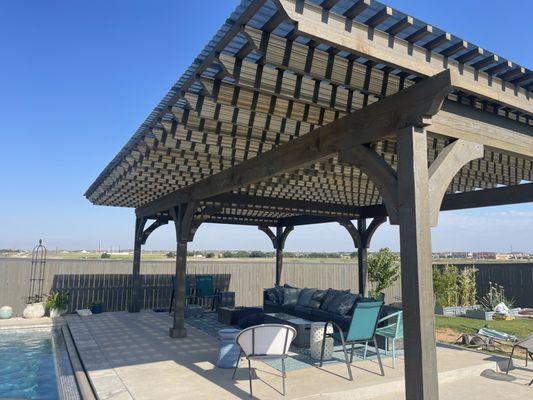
(316, 299)
(343, 303)
(279, 294)
(290, 296)
(271, 295)
(305, 296)
(330, 296)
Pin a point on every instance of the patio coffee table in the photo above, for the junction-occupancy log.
(302, 326)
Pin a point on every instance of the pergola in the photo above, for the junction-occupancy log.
(304, 112)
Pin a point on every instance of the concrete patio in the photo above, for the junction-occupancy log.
(130, 356)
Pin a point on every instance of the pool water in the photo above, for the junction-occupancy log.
(27, 369)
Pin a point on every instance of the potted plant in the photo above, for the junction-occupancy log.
(97, 307)
(383, 271)
(34, 308)
(57, 303)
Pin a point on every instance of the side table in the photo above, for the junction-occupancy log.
(316, 336)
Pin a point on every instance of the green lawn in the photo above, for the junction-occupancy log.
(520, 328)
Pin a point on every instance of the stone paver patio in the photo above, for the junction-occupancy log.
(131, 356)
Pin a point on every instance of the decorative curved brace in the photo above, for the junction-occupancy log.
(271, 235)
(379, 172)
(278, 241)
(148, 231)
(372, 228)
(361, 236)
(441, 172)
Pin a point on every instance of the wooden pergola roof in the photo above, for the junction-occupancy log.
(278, 70)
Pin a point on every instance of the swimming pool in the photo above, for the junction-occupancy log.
(27, 367)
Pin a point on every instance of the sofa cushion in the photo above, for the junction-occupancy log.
(303, 309)
(330, 296)
(342, 303)
(316, 299)
(290, 296)
(305, 296)
(321, 315)
(272, 295)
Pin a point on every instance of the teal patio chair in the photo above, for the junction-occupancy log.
(206, 290)
(361, 331)
(393, 331)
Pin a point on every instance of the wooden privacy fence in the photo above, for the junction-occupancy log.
(109, 281)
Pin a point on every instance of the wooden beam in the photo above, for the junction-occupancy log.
(401, 25)
(501, 196)
(496, 132)
(412, 106)
(277, 203)
(403, 55)
(379, 17)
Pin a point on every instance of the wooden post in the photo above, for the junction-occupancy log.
(421, 375)
(362, 258)
(182, 216)
(279, 255)
(135, 298)
(178, 329)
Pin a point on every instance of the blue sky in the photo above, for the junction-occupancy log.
(77, 78)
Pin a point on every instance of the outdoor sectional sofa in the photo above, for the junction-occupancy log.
(315, 304)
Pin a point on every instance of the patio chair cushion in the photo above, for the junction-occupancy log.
(305, 296)
(316, 299)
(329, 298)
(343, 303)
(290, 296)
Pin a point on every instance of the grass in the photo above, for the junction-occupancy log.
(520, 328)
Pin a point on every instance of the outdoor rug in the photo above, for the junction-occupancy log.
(299, 358)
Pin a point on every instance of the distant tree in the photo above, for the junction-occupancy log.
(171, 254)
(105, 255)
(257, 254)
(228, 254)
(210, 255)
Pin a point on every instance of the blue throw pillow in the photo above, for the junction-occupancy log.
(290, 296)
(343, 303)
(305, 296)
(316, 299)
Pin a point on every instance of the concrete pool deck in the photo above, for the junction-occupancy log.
(130, 356)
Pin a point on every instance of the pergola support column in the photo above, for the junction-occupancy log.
(417, 280)
(182, 216)
(278, 241)
(362, 236)
(134, 304)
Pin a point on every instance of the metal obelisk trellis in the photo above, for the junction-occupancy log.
(38, 266)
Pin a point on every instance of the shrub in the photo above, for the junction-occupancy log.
(57, 300)
(171, 254)
(105, 255)
(383, 271)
